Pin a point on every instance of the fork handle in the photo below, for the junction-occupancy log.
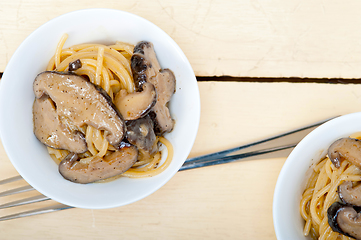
(232, 158)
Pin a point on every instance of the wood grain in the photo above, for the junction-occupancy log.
(231, 201)
(266, 39)
(278, 38)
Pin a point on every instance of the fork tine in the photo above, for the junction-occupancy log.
(50, 209)
(12, 179)
(24, 201)
(17, 190)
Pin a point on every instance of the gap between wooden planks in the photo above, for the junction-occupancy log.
(268, 79)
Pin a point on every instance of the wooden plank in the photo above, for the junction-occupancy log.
(232, 201)
(279, 38)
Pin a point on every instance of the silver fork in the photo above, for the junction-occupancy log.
(277, 146)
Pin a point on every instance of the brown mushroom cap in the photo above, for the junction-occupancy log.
(52, 132)
(345, 149)
(146, 68)
(141, 134)
(81, 102)
(344, 219)
(98, 168)
(350, 194)
(138, 104)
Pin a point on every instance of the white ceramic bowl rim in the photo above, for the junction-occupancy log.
(288, 222)
(30, 157)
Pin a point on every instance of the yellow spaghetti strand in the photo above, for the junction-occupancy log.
(59, 48)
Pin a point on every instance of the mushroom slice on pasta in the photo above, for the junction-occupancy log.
(82, 102)
(349, 193)
(345, 149)
(344, 219)
(146, 68)
(98, 168)
(49, 129)
(141, 134)
(137, 104)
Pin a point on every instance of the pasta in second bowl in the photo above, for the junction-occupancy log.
(306, 167)
(100, 26)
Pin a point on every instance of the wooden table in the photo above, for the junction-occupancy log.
(247, 41)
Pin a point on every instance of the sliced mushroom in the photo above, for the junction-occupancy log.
(141, 134)
(146, 68)
(350, 194)
(344, 219)
(345, 149)
(82, 102)
(75, 65)
(144, 63)
(98, 168)
(53, 133)
(138, 104)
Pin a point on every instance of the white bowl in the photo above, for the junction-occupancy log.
(291, 182)
(30, 157)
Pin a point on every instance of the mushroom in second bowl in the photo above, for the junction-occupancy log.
(345, 220)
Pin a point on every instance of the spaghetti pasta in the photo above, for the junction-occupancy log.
(108, 67)
(320, 193)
